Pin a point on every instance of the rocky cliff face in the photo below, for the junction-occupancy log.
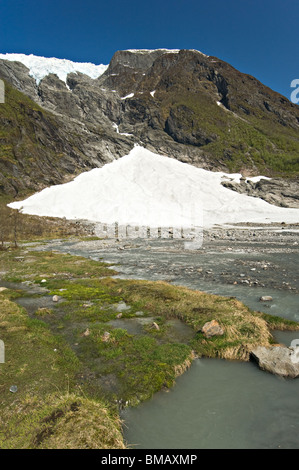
(195, 108)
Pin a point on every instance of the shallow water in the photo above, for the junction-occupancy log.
(217, 403)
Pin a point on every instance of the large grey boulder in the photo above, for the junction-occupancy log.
(278, 360)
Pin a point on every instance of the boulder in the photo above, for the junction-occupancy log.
(278, 360)
(266, 298)
(212, 328)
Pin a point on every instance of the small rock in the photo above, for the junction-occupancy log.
(122, 306)
(43, 281)
(86, 332)
(212, 328)
(119, 315)
(55, 298)
(106, 337)
(266, 298)
(13, 389)
(2, 289)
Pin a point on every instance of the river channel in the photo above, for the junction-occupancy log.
(216, 403)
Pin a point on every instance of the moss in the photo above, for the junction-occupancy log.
(34, 358)
(72, 346)
(278, 323)
(142, 365)
(51, 265)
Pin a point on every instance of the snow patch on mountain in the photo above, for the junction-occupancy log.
(166, 51)
(40, 67)
(146, 189)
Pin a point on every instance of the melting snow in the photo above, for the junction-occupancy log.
(116, 127)
(40, 67)
(146, 189)
(170, 51)
(127, 96)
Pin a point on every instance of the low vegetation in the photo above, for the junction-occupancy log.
(102, 344)
(15, 226)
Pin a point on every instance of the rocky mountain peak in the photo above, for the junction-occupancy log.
(195, 108)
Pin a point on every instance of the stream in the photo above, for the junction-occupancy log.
(216, 403)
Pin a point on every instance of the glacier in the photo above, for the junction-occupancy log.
(40, 67)
(146, 189)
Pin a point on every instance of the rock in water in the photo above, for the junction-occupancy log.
(278, 360)
(266, 298)
(212, 328)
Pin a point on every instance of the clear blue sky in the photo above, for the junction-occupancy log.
(259, 37)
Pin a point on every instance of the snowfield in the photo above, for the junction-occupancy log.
(146, 189)
(40, 67)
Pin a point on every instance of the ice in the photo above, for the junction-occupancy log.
(40, 67)
(147, 189)
(130, 95)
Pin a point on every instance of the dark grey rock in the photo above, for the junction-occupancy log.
(277, 191)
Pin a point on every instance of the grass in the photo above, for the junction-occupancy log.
(257, 142)
(73, 363)
(43, 413)
(59, 421)
(278, 323)
(39, 265)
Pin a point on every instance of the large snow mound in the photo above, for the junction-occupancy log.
(40, 67)
(146, 189)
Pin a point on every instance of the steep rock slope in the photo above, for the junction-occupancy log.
(194, 108)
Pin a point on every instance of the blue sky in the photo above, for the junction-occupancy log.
(259, 37)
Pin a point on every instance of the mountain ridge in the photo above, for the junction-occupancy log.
(195, 108)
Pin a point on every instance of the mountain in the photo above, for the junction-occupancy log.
(61, 118)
